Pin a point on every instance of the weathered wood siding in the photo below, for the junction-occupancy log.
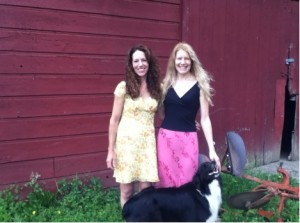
(244, 45)
(59, 64)
(61, 60)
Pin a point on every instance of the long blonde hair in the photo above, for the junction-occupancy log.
(197, 70)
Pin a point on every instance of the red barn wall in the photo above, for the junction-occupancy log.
(60, 62)
(244, 44)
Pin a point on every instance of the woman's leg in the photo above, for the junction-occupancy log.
(126, 192)
(143, 185)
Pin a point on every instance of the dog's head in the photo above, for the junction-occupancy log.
(207, 172)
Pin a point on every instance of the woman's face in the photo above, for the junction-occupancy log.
(182, 62)
(140, 63)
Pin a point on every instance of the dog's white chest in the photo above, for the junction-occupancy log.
(214, 200)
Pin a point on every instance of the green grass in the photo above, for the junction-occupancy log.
(81, 200)
(74, 201)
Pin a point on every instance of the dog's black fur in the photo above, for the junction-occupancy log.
(193, 202)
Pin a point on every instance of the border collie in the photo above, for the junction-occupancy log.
(197, 201)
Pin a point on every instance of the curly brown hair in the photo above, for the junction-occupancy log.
(133, 81)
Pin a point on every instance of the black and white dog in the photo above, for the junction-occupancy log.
(197, 201)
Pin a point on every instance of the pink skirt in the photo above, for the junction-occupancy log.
(177, 154)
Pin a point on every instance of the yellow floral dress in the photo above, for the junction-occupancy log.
(135, 143)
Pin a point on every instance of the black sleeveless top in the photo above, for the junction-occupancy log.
(180, 113)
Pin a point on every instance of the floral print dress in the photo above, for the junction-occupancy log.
(135, 148)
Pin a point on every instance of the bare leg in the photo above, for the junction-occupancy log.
(143, 185)
(126, 192)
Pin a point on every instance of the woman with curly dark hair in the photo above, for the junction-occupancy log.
(132, 144)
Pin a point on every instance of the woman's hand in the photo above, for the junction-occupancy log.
(213, 156)
(111, 160)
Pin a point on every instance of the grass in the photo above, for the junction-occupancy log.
(80, 200)
(74, 201)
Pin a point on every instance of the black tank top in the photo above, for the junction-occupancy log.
(180, 113)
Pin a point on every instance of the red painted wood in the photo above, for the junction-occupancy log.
(215, 65)
(37, 19)
(243, 45)
(35, 41)
(105, 177)
(79, 164)
(169, 1)
(243, 40)
(279, 110)
(293, 12)
(30, 128)
(51, 64)
(251, 33)
(17, 107)
(22, 85)
(20, 171)
(34, 149)
(266, 92)
(60, 64)
(61, 60)
(136, 9)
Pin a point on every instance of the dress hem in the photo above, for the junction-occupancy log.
(137, 180)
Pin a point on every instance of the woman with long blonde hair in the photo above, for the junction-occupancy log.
(186, 88)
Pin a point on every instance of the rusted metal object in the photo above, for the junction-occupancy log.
(234, 162)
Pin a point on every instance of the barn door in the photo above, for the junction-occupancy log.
(286, 103)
